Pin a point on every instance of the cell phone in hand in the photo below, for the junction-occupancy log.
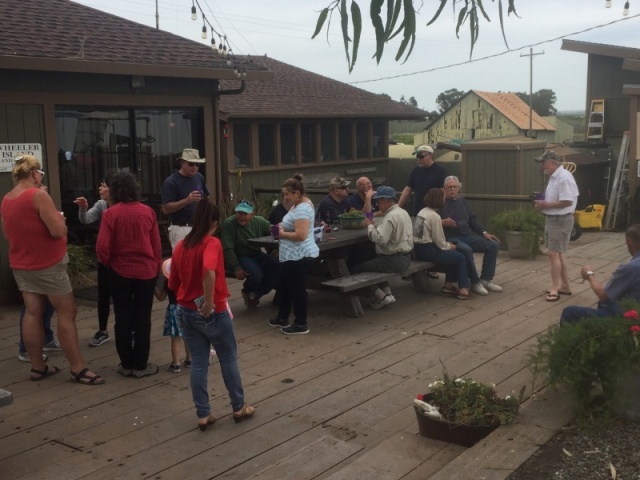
(199, 301)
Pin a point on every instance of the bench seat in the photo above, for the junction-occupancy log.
(356, 281)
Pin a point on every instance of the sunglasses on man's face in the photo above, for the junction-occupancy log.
(192, 164)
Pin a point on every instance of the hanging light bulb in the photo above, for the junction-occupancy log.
(204, 32)
(213, 44)
(607, 4)
(625, 12)
(194, 14)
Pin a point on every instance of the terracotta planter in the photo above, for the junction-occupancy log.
(465, 435)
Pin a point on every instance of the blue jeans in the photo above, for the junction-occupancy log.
(200, 333)
(455, 263)
(46, 320)
(467, 244)
(573, 314)
(263, 273)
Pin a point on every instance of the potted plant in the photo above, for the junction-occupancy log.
(79, 264)
(352, 219)
(597, 360)
(522, 229)
(462, 411)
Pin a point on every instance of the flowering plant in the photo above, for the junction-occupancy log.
(462, 401)
(592, 359)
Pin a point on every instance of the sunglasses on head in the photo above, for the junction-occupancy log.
(41, 172)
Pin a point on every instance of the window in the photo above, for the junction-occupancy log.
(379, 139)
(266, 144)
(308, 140)
(345, 142)
(327, 142)
(362, 140)
(241, 145)
(287, 143)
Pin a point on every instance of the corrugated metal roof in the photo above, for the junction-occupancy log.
(512, 107)
(298, 93)
(600, 49)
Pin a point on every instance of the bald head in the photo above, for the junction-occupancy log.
(363, 185)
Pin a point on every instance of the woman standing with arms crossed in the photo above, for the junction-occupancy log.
(88, 215)
(37, 236)
(297, 250)
(197, 277)
(129, 245)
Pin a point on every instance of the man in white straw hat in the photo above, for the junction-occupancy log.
(180, 192)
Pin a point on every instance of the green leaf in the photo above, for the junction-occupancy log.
(376, 20)
(504, 36)
(461, 18)
(344, 22)
(394, 20)
(321, 19)
(437, 14)
(356, 19)
(484, 14)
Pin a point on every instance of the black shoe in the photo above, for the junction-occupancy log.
(279, 322)
(295, 329)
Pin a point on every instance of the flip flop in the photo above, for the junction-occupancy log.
(433, 274)
(42, 374)
(449, 291)
(552, 297)
(561, 292)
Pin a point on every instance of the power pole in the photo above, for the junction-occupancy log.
(531, 55)
(157, 17)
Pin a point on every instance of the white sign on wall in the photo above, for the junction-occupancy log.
(8, 152)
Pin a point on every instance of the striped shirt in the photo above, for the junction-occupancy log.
(290, 250)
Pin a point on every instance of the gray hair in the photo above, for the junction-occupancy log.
(452, 178)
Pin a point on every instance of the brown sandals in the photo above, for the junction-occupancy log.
(245, 412)
(209, 421)
(84, 379)
(42, 374)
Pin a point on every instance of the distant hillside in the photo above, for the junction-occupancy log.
(577, 121)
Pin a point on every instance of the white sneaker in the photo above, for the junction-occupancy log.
(378, 304)
(489, 285)
(24, 357)
(479, 289)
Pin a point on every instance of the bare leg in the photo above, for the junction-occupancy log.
(175, 350)
(556, 271)
(564, 273)
(65, 306)
(32, 328)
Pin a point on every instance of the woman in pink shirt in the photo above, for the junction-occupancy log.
(37, 236)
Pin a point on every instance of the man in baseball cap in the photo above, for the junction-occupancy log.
(258, 269)
(336, 203)
(425, 176)
(393, 239)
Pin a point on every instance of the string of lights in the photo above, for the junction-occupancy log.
(224, 48)
(444, 67)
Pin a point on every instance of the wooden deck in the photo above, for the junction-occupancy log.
(334, 404)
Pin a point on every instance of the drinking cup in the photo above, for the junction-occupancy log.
(539, 195)
(275, 232)
(369, 215)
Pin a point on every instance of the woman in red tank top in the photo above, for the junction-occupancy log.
(37, 236)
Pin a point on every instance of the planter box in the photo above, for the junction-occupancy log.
(520, 244)
(351, 223)
(465, 435)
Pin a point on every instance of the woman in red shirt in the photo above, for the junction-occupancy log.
(197, 277)
(37, 236)
(129, 245)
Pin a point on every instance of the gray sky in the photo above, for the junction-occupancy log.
(282, 30)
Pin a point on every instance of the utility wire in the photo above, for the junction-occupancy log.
(444, 67)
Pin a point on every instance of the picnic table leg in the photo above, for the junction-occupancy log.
(421, 282)
(338, 268)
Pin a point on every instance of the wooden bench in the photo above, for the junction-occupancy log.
(356, 281)
(418, 272)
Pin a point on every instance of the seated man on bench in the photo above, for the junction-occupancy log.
(394, 241)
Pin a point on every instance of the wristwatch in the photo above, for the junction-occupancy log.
(589, 273)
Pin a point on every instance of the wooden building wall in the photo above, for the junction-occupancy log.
(471, 118)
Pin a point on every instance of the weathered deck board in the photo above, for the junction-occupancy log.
(346, 413)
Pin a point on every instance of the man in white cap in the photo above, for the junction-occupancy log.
(258, 269)
(425, 176)
(179, 193)
(393, 239)
(336, 202)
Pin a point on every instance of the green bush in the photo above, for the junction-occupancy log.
(522, 220)
(591, 359)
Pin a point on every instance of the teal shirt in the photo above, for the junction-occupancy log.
(235, 239)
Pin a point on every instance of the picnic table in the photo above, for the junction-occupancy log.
(334, 248)
(6, 398)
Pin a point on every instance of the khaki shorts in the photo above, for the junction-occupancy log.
(557, 231)
(50, 281)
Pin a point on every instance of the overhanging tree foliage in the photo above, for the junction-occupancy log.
(399, 18)
(448, 98)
